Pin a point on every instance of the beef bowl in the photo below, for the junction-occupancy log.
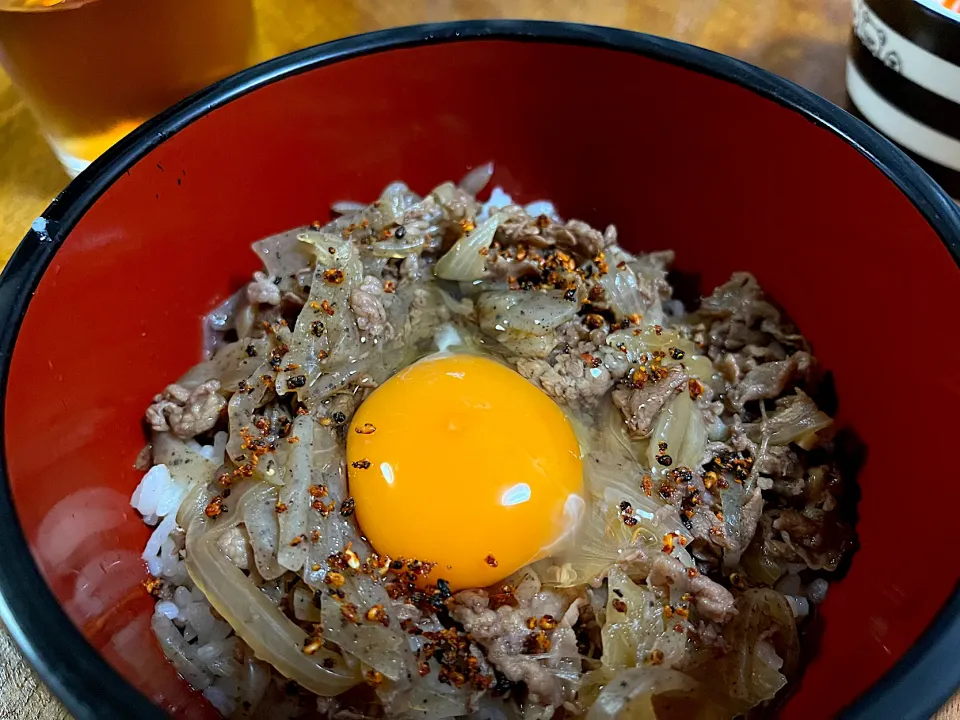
(681, 149)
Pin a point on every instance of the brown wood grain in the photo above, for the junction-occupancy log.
(803, 40)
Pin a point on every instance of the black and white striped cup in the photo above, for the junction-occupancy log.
(903, 76)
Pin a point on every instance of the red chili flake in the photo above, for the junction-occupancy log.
(490, 560)
(647, 485)
(365, 429)
(245, 470)
(531, 623)
(361, 464)
(601, 264)
(547, 622)
(153, 585)
(315, 537)
(682, 612)
(281, 507)
(423, 668)
(590, 360)
(224, 480)
(293, 439)
(326, 307)
(334, 276)
(484, 251)
(389, 286)
(695, 387)
(314, 305)
(323, 508)
(503, 596)
(291, 367)
(668, 542)
(667, 612)
(655, 657)
(594, 321)
(538, 643)
(350, 613)
(318, 491)
(214, 508)
(297, 540)
(619, 605)
(658, 329)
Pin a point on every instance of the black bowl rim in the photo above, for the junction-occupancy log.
(920, 681)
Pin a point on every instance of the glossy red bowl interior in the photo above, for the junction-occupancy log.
(683, 149)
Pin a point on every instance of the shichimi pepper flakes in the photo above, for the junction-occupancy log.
(215, 507)
(333, 275)
(153, 585)
(365, 429)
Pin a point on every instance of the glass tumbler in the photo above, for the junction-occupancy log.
(92, 70)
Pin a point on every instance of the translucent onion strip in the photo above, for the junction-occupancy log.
(467, 259)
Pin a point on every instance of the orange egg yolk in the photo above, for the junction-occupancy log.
(458, 460)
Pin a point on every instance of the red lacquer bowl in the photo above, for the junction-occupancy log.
(680, 147)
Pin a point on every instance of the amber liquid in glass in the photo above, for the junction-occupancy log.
(93, 70)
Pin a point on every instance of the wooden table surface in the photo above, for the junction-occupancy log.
(803, 40)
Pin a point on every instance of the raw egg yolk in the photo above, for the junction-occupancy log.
(459, 461)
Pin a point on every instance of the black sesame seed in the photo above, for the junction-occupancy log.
(443, 587)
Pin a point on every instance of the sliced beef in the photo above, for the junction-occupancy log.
(769, 380)
(366, 302)
(509, 642)
(713, 601)
(186, 413)
(640, 406)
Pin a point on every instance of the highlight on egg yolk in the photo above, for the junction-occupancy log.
(470, 467)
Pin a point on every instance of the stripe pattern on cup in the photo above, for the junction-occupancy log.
(903, 76)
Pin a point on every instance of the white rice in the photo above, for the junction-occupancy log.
(499, 199)
(202, 647)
